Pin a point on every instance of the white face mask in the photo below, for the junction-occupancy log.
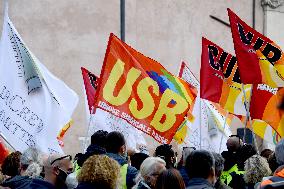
(71, 181)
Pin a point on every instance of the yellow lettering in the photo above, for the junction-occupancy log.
(125, 92)
(146, 98)
(170, 112)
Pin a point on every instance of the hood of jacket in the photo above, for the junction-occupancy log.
(120, 159)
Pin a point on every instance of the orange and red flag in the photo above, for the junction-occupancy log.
(219, 79)
(263, 106)
(260, 60)
(142, 92)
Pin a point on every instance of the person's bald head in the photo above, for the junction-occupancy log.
(55, 164)
(234, 143)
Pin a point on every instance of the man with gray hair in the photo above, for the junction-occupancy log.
(30, 167)
(57, 168)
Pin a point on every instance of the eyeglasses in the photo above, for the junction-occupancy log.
(61, 158)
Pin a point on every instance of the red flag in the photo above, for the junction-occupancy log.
(263, 106)
(219, 79)
(141, 91)
(91, 84)
(260, 60)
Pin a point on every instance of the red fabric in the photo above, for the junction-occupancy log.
(123, 60)
(210, 81)
(248, 61)
(3, 152)
(259, 100)
(90, 83)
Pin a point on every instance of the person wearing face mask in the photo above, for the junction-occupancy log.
(57, 168)
(116, 149)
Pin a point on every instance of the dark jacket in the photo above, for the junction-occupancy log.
(91, 150)
(40, 184)
(249, 186)
(143, 185)
(239, 157)
(184, 175)
(17, 182)
(199, 183)
(131, 171)
(85, 185)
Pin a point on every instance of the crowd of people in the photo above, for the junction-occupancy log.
(108, 164)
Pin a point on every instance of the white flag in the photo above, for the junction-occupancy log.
(34, 104)
(207, 128)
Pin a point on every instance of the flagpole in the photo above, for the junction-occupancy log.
(247, 110)
(200, 125)
(225, 122)
(248, 118)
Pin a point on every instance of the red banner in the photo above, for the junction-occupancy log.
(91, 84)
(260, 60)
(141, 91)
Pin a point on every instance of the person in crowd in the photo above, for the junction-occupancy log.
(181, 167)
(57, 168)
(166, 152)
(97, 147)
(11, 165)
(279, 173)
(266, 153)
(31, 165)
(256, 167)
(99, 171)
(150, 169)
(137, 159)
(169, 179)
(272, 162)
(116, 149)
(235, 157)
(200, 170)
(219, 167)
(237, 153)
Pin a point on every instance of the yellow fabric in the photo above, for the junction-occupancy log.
(77, 168)
(226, 175)
(123, 172)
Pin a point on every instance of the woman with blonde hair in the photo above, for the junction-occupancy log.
(150, 169)
(99, 171)
(256, 167)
